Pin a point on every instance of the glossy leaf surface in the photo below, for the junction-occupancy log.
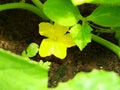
(110, 2)
(18, 73)
(95, 80)
(108, 16)
(81, 35)
(62, 12)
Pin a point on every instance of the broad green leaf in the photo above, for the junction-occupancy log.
(95, 80)
(108, 16)
(81, 35)
(18, 73)
(62, 12)
(110, 2)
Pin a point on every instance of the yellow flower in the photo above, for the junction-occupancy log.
(57, 40)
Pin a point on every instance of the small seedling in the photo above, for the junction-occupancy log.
(31, 50)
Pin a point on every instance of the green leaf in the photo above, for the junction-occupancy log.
(110, 2)
(95, 80)
(81, 35)
(62, 12)
(108, 16)
(79, 2)
(18, 73)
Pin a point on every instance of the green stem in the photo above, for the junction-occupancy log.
(38, 3)
(105, 31)
(97, 27)
(25, 6)
(107, 44)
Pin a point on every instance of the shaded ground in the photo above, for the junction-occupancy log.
(18, 28)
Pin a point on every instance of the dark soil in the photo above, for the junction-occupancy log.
(18, 28)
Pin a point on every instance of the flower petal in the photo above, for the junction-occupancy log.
(49, 47)
(45, 48)
(67, 40)
(60, 50)
(60, 30)
(46, 29)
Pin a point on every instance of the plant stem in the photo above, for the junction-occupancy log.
(38, 3)
(107, 44)
(105, 31)
(25, 6)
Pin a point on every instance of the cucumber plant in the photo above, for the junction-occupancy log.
(67, 14)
